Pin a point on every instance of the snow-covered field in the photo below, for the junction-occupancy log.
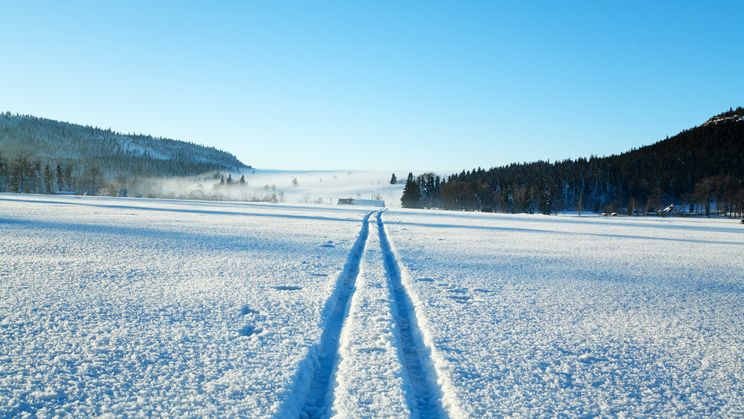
(544, 316)
(164, 307)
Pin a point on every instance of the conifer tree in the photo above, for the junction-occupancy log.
(411, 193)
(60, 178)
(20, 171)
(48, 180)
(3, 172)
(69, 177)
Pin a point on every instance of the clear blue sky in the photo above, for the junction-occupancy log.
(378, 84)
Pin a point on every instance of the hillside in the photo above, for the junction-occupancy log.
(29, 144)
(699, 166)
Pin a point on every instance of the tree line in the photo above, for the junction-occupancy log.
(39, 155)
(702, 167)
(26, 174)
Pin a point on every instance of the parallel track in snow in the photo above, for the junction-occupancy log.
(314, 387)
(414, 355)
(319, 395)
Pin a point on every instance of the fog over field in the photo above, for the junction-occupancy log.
(284, 186)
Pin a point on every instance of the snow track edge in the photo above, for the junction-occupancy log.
(425, 370)
(311, 393)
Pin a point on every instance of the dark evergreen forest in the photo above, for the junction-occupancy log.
(701, 168)
(40, 155)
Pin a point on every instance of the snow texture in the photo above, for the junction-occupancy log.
(140, 307)
(577, 316)
(316, 392)
(370, 378)
(147, 307)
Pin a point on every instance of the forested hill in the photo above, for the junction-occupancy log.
(40, 155)
(701, 165)
(53, 140)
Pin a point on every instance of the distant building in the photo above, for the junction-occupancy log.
(362, 202)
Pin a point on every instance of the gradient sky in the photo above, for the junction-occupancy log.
(378, 84)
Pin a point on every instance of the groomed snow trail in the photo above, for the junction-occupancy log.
(319, 394)
(414, 354)
(373, 359)
(370, 380)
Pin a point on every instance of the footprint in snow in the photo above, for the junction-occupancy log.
(328, 244)
(588, 358)
(484, 291)
(425, 279)
(245, 310)
(458, 290)
(462, 299)
(252, 316)
(249, 330)
(287, 288)
(370, 350)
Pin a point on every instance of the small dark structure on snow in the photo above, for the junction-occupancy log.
(362, 202)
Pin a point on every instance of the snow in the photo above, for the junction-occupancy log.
(545, 316)
(370, 379)
(136, 307)
(716, 120)
(129, 307)
(128, 146)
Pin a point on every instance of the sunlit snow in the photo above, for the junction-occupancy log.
(130, 306)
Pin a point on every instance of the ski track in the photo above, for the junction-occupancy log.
(414, 354)
(318, 399)
(370, 381)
